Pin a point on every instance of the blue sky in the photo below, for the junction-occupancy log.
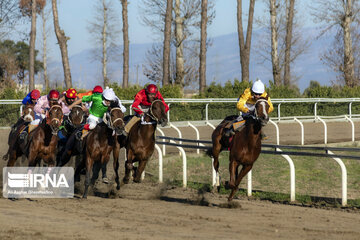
(74, 16)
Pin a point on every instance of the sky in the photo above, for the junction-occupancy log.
(74, 17)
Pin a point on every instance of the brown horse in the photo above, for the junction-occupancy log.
(66, 145)
(245, 145)
(28, 115)
(98, 145)
(140, 143)
(42, 140)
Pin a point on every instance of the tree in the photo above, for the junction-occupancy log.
(274, 43)
(343, 15)
(62, 40)
(202, 67)
(44, 18)
(245, 45)
(167, 36)
(290, 5)
(104, 32)
(185, 39)
(30, 7)
(9, 17)
(14, 62)
(124, 4)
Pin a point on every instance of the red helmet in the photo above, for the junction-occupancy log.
(71, 93)
(151, 88)
(98, 89)
(54, 95)
(35, 94)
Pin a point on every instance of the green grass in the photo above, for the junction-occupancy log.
(317, 180)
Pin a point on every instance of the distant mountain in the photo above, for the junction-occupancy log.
(223, 63)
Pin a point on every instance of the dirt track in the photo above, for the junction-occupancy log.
(152, 211)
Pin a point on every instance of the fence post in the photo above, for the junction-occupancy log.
(160, 163)
(181, 150)
(350, 109)
(343, 179)
(279, 115)
(197, 136)
(162, 133)
(168, 113)
(207, 112)
(325, 129)
(352, 128)
(277, 131)
(302, 130)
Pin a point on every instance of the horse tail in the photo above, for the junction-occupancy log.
(209, 152)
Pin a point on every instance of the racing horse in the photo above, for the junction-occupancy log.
(67, 146)
(28, 115)
(42, 141)
(140, 142)
(98, 145)
(245, 146)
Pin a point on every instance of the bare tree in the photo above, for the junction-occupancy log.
(342, 15)
(44, 17)
(30, 8)
(245, 45)
(167, 37)
(282, 53)
(126, 43)
(274, 43)
(104, 31)
(290, 8)
(202, 68)
(62, 40)
(185, 40)
(9, 16)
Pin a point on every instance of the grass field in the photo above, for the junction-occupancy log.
(316, 179)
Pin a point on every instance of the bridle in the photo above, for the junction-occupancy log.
(82, 116)
(264, 102)
(111, 125)
(53, 130)
(151, 114)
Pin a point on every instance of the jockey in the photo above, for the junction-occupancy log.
(142, 103)
(44, 103)
(32, 97)
(69, 98)
(246, 104)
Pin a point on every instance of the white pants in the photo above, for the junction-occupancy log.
(38, 119)
(93, 121)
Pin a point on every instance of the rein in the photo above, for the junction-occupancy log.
(54, 131)
(151, 114)
(82, 116)
(111, 125)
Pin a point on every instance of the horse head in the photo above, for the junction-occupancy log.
(54, 118)
(116, 121)
(157, 112)
(76, 116)
(262, 111)
(29, 114)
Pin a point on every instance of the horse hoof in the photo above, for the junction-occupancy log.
(84, 197)
(118, 187)
(126, 181)
(129, 166)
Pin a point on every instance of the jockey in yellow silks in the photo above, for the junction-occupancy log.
(246, 102)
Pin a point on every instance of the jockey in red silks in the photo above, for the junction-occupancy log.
(142, 103)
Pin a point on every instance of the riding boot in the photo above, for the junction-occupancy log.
(130, 124)
(229, 132)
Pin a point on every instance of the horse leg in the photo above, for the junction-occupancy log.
(128, 166)
(78, 170)
(89, 164)
(13, 155)
(139, 170)
(244, 170)
(116, 164)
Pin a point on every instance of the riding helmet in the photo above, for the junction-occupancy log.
(71, 93)
(151, 88)
(258, 87)
(35, 94)
(109, 94)
(54, 95)
(98, 89)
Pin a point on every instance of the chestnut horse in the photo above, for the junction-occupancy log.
(42, 141)
(28, 115)
(98, 145)
(245, 145)
(140, 143)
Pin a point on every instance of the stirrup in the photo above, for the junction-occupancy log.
(229, 132)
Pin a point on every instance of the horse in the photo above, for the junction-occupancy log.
(66, 146)
(140, 142)
(245, 145)
(28, 115)
(42, 141)
(98, 145)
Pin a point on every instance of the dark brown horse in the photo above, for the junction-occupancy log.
(66, 145)
(28, 115)
(245, 145)
(42, 141)
(140, 143)
(98, 145)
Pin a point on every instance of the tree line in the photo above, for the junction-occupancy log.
(181, 26)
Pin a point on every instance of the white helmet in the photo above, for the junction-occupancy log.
(109, 94)
(258, 87)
